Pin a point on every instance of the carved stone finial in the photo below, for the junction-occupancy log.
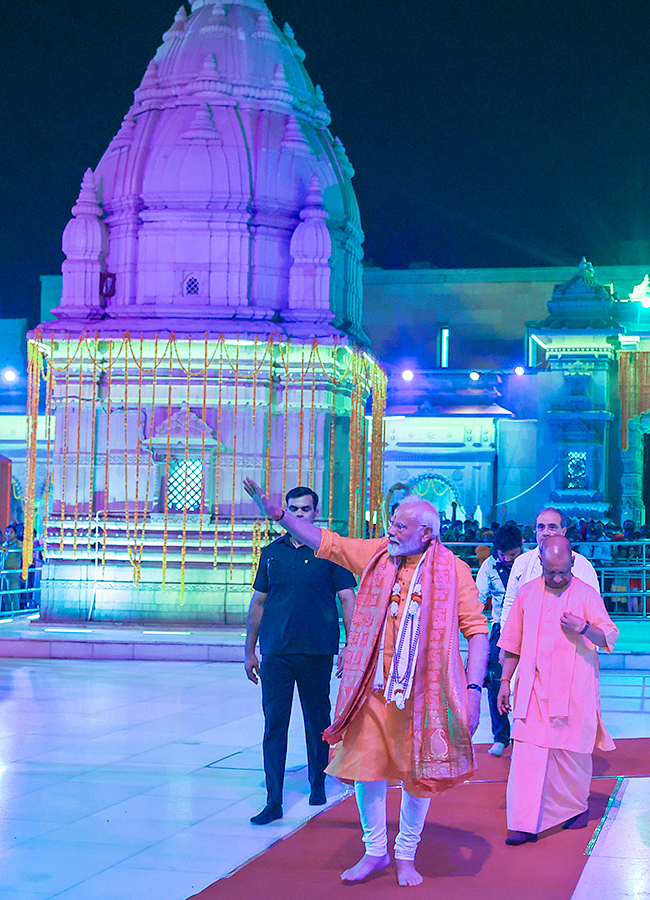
(150, 78)
(298, 52)
(87, 204)
(211, 64)
(264, 28)
(586, 271)
(293, 138)
(342, 157)
(280, 78)
(85, 244)
(203, 127)
(177, 29)
(311, 251)
(125, 134)
(313, 208)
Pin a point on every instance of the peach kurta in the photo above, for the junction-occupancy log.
(556, 711)
(378, 743)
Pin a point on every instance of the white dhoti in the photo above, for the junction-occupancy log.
(546, 787)
(371, 800)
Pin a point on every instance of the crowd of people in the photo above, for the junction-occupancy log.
(618, 553)
(579, 531)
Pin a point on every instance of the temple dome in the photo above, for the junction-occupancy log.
(204, 184)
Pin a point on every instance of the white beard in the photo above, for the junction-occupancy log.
(407, 548)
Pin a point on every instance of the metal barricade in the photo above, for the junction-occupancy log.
(19, 596)
(622, 567)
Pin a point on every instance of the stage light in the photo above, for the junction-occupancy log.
(519, 370)
(474, 376)
(407, 375)
(9, 375)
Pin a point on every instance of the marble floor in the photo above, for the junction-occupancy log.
(136, 779)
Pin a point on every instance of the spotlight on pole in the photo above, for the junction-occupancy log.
(474, 376)
(9, 375)
(407, 375)
(519, 370)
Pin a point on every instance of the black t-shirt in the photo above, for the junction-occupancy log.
(300, 613)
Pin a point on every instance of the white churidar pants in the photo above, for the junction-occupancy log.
(371, 800)
(546, 787)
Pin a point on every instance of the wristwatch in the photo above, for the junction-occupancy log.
(474, 687)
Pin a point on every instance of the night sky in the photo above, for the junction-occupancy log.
(482, 133)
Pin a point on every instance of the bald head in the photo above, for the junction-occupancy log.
(557, 560)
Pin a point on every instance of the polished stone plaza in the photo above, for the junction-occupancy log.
(137, 779)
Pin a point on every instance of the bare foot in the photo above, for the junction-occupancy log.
(407, 874)
(366, 866)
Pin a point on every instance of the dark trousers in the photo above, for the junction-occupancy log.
(500, 721)
(312, 675)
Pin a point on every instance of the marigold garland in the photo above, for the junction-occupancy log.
(234, 464)
(107, 466)
(91, 473)
(167, 460)
(256, 547)
(64, 467)
(204, 420)
(217, 474)
(126, 445)
(78, 462)
(48, 437)
(349, 375)
(185, 473)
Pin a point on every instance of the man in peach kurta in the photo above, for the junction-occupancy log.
(406, 710)
(551, 634)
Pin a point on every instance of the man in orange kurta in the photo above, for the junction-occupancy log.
(551, 634)
(405, 711)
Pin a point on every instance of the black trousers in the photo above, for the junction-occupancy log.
(312, 675)
(500, 721)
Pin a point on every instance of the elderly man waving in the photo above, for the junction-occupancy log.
(406, 711)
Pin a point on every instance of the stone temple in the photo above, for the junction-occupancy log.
(210, 326)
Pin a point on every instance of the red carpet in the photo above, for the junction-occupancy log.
(462, 854)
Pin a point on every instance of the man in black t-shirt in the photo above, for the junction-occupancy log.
(295, 616)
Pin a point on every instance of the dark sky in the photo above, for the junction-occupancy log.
(484, 133)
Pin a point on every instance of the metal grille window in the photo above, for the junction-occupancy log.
(576, 470)
(192, 285)
(185, 485)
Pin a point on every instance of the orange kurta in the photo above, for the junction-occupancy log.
(377, 745)
(557, 701)
(556, 713)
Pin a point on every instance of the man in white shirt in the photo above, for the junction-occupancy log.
(491, 581)
(528, 566)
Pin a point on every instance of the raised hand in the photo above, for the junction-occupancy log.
(269, 510)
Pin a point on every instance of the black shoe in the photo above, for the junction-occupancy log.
(270, 813)
(521, 837)
(579, 821)
(317, 796)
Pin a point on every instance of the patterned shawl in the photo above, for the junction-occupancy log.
(442, 746)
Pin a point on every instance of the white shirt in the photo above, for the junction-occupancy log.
(528, 566)
(490, 584)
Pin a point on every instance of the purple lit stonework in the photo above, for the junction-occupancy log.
(209, 326)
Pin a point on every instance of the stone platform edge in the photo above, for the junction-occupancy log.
(21, 644)
(43, 648)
